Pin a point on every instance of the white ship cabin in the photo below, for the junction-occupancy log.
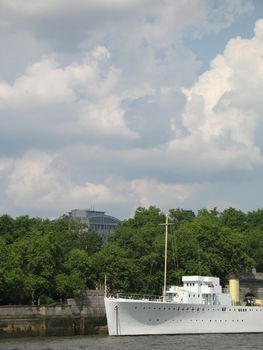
(198, 290)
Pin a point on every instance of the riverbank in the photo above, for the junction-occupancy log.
(85, 317)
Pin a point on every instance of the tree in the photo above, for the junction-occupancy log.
(206, 245)
(179, 216)
(234, 219)
(6, 228)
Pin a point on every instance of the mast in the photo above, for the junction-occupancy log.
(165, 258)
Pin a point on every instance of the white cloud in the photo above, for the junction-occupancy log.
(35, 181)
(89, 89)
(32, 7)
(105, 117)
(225, 106)
(46, 83)
(104, 112)
(5, 164)
(164, 195)
(40, 182)
(259, 29)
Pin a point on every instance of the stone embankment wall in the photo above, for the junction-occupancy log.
(251, 283)
(76, 318)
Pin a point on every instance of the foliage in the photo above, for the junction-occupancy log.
(51, 260)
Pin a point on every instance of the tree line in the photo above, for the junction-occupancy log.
(46, 261)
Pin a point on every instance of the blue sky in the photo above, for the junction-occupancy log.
(212, 44)
(113, 105)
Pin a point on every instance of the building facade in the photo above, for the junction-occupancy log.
(95, 220)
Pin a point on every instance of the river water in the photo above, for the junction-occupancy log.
(163, 342)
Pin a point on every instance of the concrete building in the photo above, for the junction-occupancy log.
(95, 220)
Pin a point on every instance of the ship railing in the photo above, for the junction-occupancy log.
(133, 296)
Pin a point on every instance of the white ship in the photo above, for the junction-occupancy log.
(199, 306)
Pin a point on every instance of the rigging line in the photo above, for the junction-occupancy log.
(198, 258)
(175, 256)
(149, 276)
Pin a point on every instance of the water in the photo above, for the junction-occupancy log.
(163, 342)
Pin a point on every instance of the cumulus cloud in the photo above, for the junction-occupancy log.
(45, 82)
(87, 88)
(224, 107)
(35, 180)
(40, 180)
(107, 110)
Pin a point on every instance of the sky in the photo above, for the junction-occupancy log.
(111, 105)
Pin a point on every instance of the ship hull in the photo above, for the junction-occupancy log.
(141, 317)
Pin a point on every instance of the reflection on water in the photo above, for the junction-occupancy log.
(163, 342)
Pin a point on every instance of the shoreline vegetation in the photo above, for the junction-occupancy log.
(46, 261)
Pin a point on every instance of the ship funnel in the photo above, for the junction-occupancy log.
(234, 290)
